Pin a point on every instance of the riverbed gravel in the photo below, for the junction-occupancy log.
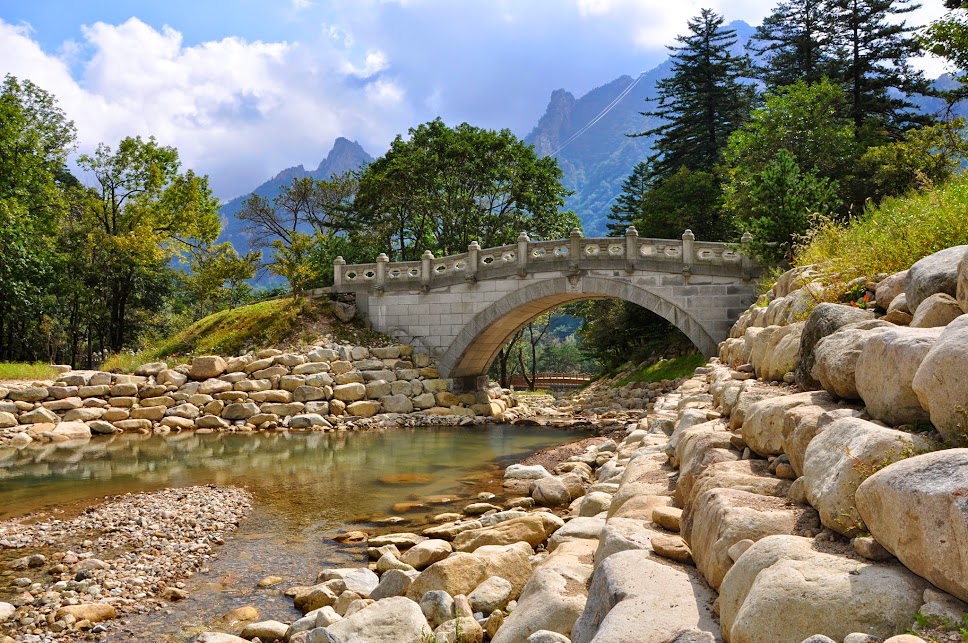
(74, 579)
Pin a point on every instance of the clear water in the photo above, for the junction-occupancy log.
(307, 488)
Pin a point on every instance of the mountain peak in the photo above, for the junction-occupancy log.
(346, 155)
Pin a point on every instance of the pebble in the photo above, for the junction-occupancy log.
(145, 544)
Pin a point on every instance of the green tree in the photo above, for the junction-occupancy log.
(810, 122)
(443, 187)
(793, 43)
(217, 276)
(687, 199)
(142, 213)
(702, 101)
(947, 37)
(921, 159)
(630, 203)
(873, 47)
(35, 138)
(781, 201)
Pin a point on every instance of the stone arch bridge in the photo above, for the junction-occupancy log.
(463, 308)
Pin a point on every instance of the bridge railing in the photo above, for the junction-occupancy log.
(575, 253)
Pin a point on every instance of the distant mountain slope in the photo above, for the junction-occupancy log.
(346, 155)
(597, 162)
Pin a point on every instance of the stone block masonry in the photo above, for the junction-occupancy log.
(461, 309)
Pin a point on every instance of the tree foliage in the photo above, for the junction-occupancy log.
(702, 101)
(444, 187)
(793, 43)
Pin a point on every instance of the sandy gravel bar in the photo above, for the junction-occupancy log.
(72, 579)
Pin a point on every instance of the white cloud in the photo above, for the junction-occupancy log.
(253, 107)
(301, 4)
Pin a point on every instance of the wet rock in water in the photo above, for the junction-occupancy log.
(246, 613)
(93, 612)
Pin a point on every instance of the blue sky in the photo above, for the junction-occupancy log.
(246, 88)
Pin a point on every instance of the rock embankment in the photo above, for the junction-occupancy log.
(321, 389)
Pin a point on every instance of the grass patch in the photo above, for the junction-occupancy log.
(23, 371)
(891, 237)
(228, 332)
(667, 369)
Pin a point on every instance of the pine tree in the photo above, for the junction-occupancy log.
(873, 49)
(702, 101)
(794, 43)
(629, 204)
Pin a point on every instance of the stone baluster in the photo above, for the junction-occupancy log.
(338, 264)
(574, 249)
(746, 259)
(523, 241)
(425, 270)
(473, 261)
(688, 247)
(631, 248)
(381, 272)
(688, 254)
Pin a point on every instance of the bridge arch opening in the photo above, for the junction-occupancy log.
(470, 355)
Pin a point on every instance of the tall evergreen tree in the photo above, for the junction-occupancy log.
(629, 205)
(873, 49)
(702, 101)
(793, 43)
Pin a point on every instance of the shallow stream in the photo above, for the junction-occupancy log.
(307, 488)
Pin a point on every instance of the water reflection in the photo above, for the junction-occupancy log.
(313, 475)
(306, 487)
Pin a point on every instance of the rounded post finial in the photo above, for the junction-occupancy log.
(524, 238)
(427, 255)
(339, 261)
(631, 231)
(383, 258)
(747, 237)
(474, 245)
(576, 232)
(688, 235)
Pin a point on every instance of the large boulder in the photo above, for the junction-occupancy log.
(533, 528)
(457, 574)
(803, 423)
(933, 274)
(885, 372)
(633, 597)
(782, 350)
(961, 289)
(426, 553)
(823, 320)
(746, 475)
(554, 597)
(941, 383)
(783, 589)
(889, 288)
(940, 309)
(836, 355)
(698, 449)
(763, 428)
(70, 431)
(391, 620)
(918, 510)
(844, 455)
(723, 517)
